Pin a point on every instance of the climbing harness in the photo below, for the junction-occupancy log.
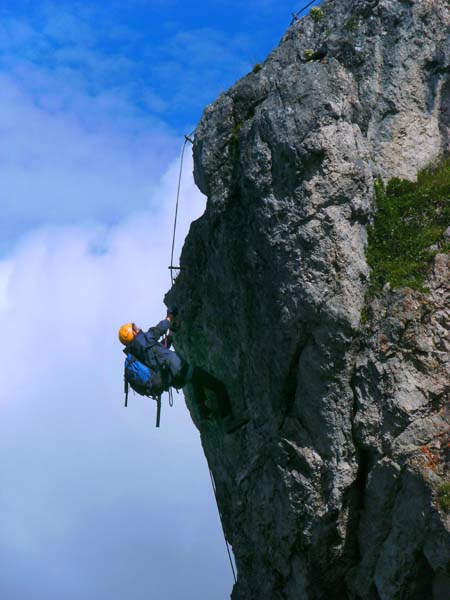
(296, 15)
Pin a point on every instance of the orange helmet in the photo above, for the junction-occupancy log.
(126, 333)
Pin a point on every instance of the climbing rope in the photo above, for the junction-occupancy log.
(295, 15)
(188, 138)
(213, 483)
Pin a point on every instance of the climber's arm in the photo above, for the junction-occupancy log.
(161, 329)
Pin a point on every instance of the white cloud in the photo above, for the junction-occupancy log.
(95, 502)
(70, 161)
(78, 142)
(87, 486)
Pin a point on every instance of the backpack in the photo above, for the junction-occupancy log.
(143, 381)
(138, 376)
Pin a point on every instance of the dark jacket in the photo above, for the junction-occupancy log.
(167, 363)
(146, 347)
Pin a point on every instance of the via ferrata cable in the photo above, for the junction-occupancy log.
(188, 138)
(295, 15)
(213, 483)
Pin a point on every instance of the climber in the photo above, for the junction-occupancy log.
(170, 370)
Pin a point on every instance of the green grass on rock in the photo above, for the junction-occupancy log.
(411, 218)
(444, 496)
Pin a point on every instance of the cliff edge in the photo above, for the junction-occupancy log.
(332, 489)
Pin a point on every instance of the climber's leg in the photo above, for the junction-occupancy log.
(202, 380)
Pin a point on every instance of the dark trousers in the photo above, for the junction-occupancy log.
(201, 381)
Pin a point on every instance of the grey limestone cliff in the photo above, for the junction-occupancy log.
(330, 490)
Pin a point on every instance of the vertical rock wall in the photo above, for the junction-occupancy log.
(325, 493)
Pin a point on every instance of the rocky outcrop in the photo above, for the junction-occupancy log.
(401, 430)
(330, 490)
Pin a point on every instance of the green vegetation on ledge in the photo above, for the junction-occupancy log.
(444, 496)
(408, 228)
(316, 13)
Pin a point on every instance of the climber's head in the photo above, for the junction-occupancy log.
(127, 333)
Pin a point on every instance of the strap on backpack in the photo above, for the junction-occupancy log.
(125, 381)
(158, 410)
(160, 381)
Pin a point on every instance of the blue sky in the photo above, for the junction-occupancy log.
(95, 504)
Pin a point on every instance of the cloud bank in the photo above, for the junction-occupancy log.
(95, 502)
(56, 168)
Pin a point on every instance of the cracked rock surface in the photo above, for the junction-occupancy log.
(330, 491)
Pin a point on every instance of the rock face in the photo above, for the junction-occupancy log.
(330, 490)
